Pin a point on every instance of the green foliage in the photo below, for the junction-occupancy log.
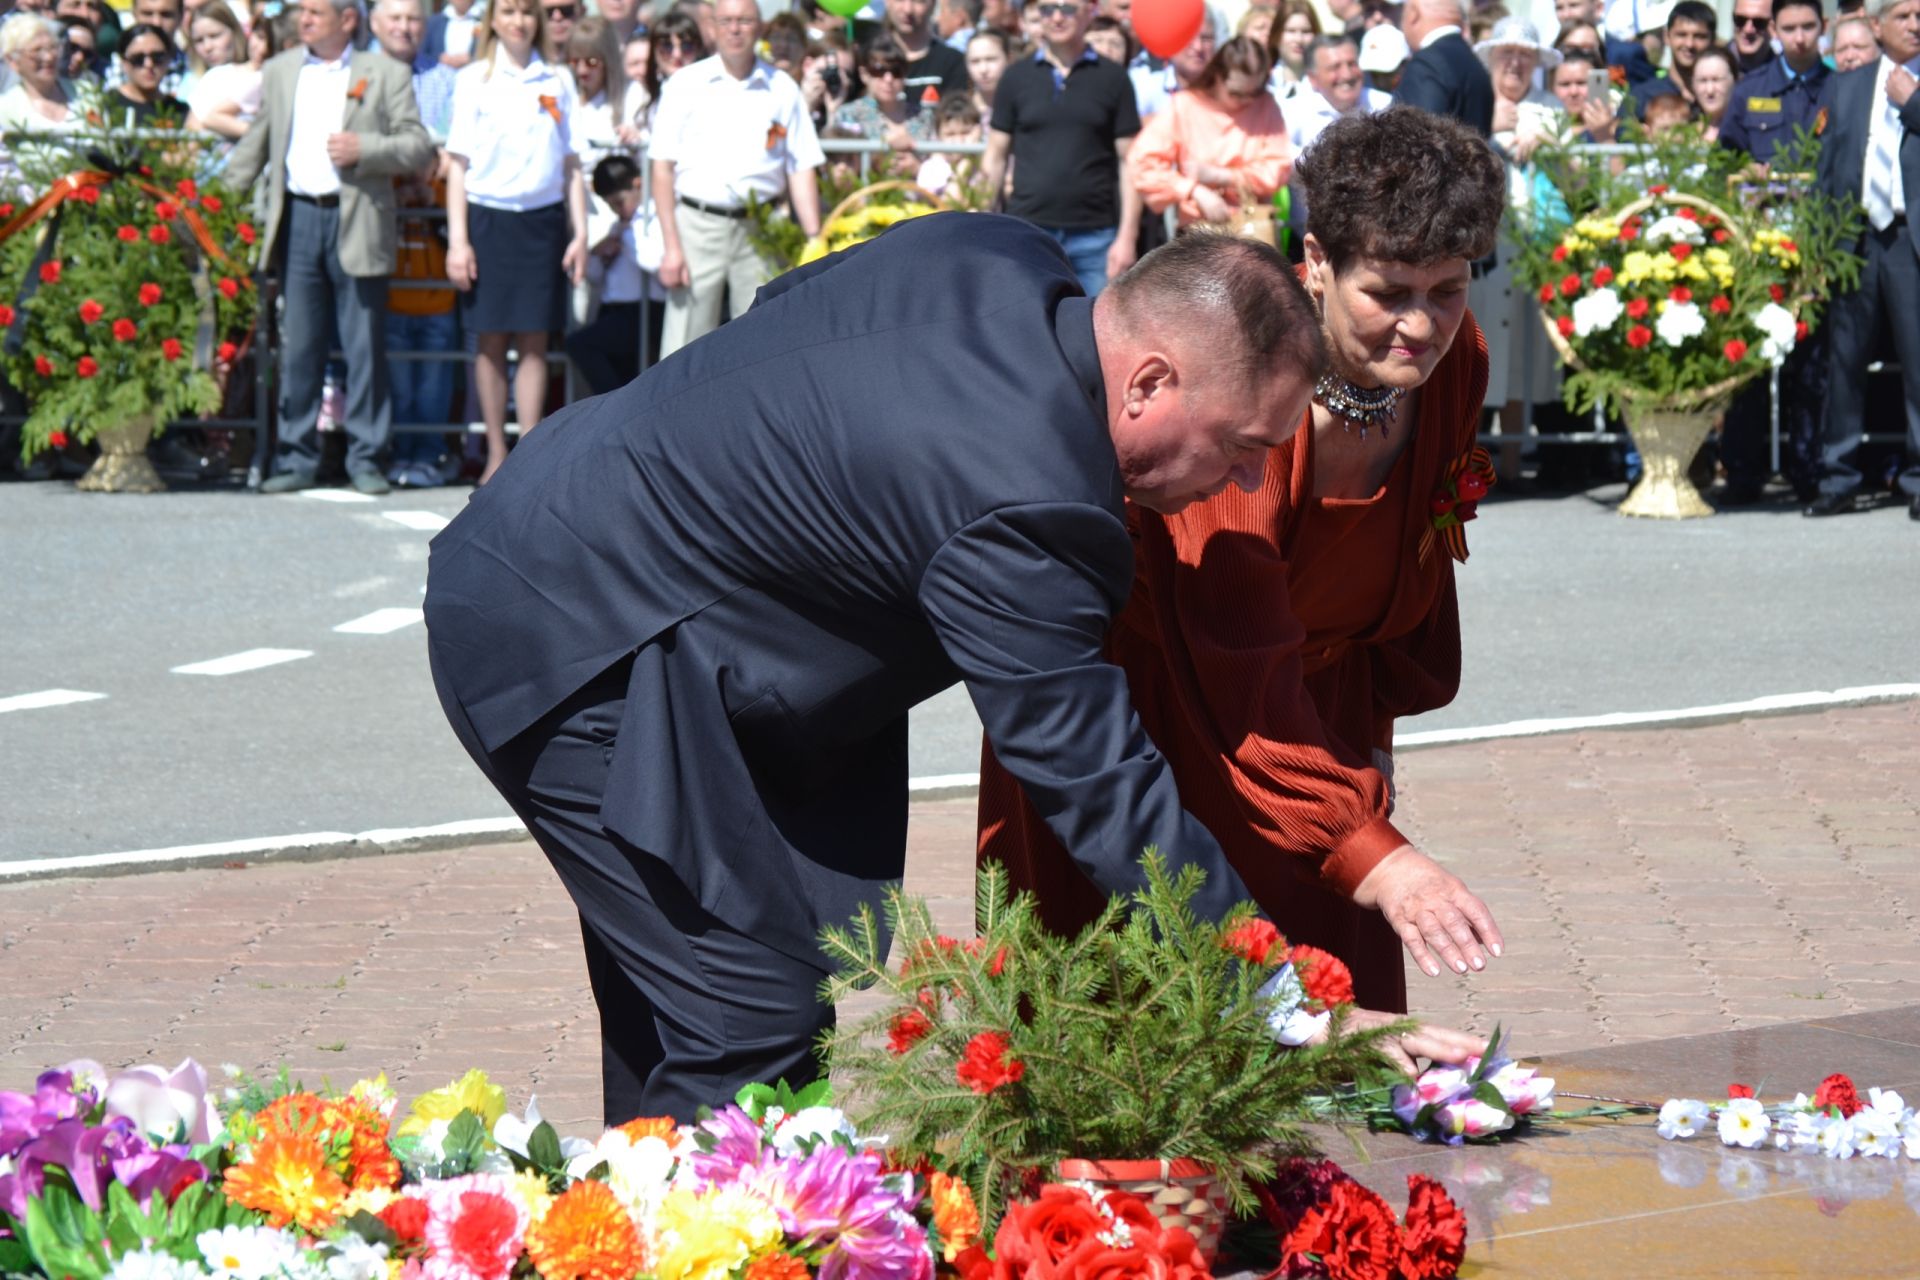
(63, 1237)
(1141, 1037)
(757, 1099)
(79, 375)
(543, 1156)
(461, 1151)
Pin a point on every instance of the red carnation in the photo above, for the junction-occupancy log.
(1736, 352)
(1441, 505)
(170, 348)
(1637, 308)
(50, 273)
(129, 234)
(1254, 941)
(1546, 293)
(211, 204)
(56, 440)
(1739, 1091)
(1639, 336)
(6, 316)
(407, 1216)
(229, 288)
(986, 1066)
(124, 331)
(158, 233)
(1681, 252)
(43, 366)
(1720, 235)
(1658, 189)
(1681, 294)
(1837, 1091)
(87, 195)
(149, 294)
(1436, 1236)
(1777, 292)
(86, 366)
(1352, 1232)
(1629, 230)
(185, 189)
(90, 311)
(1565, 325)
(1570, 285)
(1323, 975)
(1473, 486)
(1720, 305)
(908, 1028)
(6, 210)
(226, 352)
(245, 231)
(165, 211)
(1559, 253)
(1687, 212)
(1602, 277)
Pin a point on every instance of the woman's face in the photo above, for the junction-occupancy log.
(213, 42)
(1513, 71)
(985, 63)
(39, 62)
(635, 61)
(676, 50)
(257, 51)
(886, 80)
(515, 24)
(786, 51)
(1238, 90)
(1712, 87)
(1570, 85)
(1388, 323)
(147, 60)
(589, 75)
(1295, 36)
(1259, 25)
(81, 47)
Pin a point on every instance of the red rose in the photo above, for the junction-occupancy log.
(226, 352)
(1639, 336)
(6, 316)
(1174, 1256)
(1736, 352)
(1602, 277)
(1546, 293)
(1681, 252)
(974, 1264)
(1570, 285)
(245, 231)
(407, 1217)
(1473, 486)
(1323, 975)
(1040, 1233)
(1720, 305)
(86, 366)
(1720, 235)
(229, 288)
(158, 233)
(149, 294)
(1739, 1091)
(50, 273)
(1681, 294)
(1837, 1091)
(170, 348)
(56, 440)
(1352, 1233)
(129, 234)
(1559, 253)
(1253, 941)
(212, 204)
(1777, 293)
(909, 1027)
(124, 330)
(43, 366)
(1436, 1236)
(1565, 325)
(90, 311)
(986, 1066)
(1687, 213)
(165, 211)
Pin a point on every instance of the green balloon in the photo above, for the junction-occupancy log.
(843, 8)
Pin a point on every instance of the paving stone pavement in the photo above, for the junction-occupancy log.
(1651, 883)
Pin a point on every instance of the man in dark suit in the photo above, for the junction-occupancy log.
(1443, 76)
(1871, 154)
(681, 629)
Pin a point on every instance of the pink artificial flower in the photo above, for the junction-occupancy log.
(1471, 1118)
(476, 1227)
(167, 1106)
(1524, 1089)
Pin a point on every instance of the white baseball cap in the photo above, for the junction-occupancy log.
(1384, 49)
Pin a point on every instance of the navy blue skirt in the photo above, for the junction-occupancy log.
(519, 287)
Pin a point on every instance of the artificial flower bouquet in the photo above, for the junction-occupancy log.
(1835, 1121)
(1145, 1037)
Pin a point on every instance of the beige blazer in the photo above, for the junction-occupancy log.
(392, 141)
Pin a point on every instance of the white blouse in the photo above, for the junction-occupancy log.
(515, 130)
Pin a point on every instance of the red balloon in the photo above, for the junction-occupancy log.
(1165, 27)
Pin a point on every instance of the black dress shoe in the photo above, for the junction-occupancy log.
(1830, 504)
(1913, 509)
(1740, 494)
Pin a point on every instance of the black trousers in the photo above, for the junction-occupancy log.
(1889, 287)
(607, 352)
(1746, 439)
(690, 1010)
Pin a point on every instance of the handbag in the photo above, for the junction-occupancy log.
(1253, 219)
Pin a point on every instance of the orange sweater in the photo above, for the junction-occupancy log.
(1270, 642)
(1194, 130)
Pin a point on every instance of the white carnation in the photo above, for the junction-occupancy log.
(1596, 311)
(1673, 229)
(1778, 326)
(150, 1264)
(246, 1253)
(1679, 322)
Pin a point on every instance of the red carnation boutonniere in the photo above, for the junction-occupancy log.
(550, 105)
(1457, 501)
(359, 91)
(776, 134)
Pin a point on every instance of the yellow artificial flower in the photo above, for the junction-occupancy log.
(471, 1092)
(1636, 266)
(1665, 269)
(376, 1092)
(531, 1188)
(1600, 229)
(1692, 270)
(706, 1236)
(367, 1200)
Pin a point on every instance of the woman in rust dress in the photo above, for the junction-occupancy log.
(1273, 637)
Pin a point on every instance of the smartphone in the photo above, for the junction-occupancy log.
(1599, 85)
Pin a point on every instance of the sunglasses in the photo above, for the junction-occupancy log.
(147, 59)
(1758, 24)
(1058, 10)
(585, 62)
(887, 71)
(564, 12)
(680, 44)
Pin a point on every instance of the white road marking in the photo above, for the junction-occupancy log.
(234, 663)
(363, 587)
(45, 698)
(380, 622)
(425, 521)
(373, 841)
(334, 495)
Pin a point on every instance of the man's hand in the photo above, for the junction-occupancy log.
(1120, 255)
(1434, 1043)
(343, 149)
(673, 269)
(1432, 911)
(1900, 86)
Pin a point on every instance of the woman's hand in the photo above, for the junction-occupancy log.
(1431, 909)
(1506, 114)
(1599, 119)
(898, 138)
(1213, 205)
(1434, 1043)
(462, 270)
(574, 260)
(1214, 175)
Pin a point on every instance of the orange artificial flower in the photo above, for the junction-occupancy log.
(955, 1215)
(776, 134)
(587, 1234)
(661, 1127)
(287, 1178)
(369, 1159)
(777, 1266)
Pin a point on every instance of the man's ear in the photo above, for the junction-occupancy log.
(1153, 373)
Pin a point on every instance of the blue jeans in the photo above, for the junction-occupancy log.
(422, 389)
(1087, 251)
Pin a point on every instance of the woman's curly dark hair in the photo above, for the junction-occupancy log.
(1402, 185)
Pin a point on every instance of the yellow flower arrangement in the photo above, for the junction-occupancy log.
(709, 1235)
(471, 1092)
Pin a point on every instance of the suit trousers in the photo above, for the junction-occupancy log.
(1890, 287)
(323, 299)
(724, 268)
(690, 1009)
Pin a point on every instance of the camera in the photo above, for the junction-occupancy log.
(830, 76)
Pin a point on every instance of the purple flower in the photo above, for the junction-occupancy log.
(731, 1144)
(24, 1117)
(87, 1152)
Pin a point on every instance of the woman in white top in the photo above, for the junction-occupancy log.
(516, 211)
(39, 101)
(225, 93)
(1295, 27)
(604, 123)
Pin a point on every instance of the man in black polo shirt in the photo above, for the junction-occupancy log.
(929, 62)
(1067, 117)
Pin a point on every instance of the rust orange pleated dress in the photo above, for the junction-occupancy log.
(1271, 641)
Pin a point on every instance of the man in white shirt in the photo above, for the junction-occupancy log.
(730, 127)
(1336, 87)
(452, 34)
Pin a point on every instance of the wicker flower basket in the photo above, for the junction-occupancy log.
(1181, 1193)
(856, 204)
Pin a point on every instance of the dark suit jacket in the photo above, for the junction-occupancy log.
(893, 472)
(1447, 79)
(1849, 103)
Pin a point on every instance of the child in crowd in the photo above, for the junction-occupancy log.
(607, 351)
(516, 211)
(956, 119)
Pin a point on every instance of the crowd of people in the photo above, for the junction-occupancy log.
(598, 170)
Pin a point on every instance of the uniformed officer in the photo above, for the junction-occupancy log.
(1768, 108)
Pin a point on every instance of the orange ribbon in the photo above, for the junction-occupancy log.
(69, 186)
(1445, 517)
(550, 105)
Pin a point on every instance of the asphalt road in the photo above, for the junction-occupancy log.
(1568, 610)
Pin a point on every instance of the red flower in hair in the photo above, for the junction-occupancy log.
(1736, 352)
(86, 366)
(1254, 941)
(909, 1027)
(90, 311)
(149, 294)
(1435, 1243)
(986, 1066)
(124, 330)
(170, 348)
